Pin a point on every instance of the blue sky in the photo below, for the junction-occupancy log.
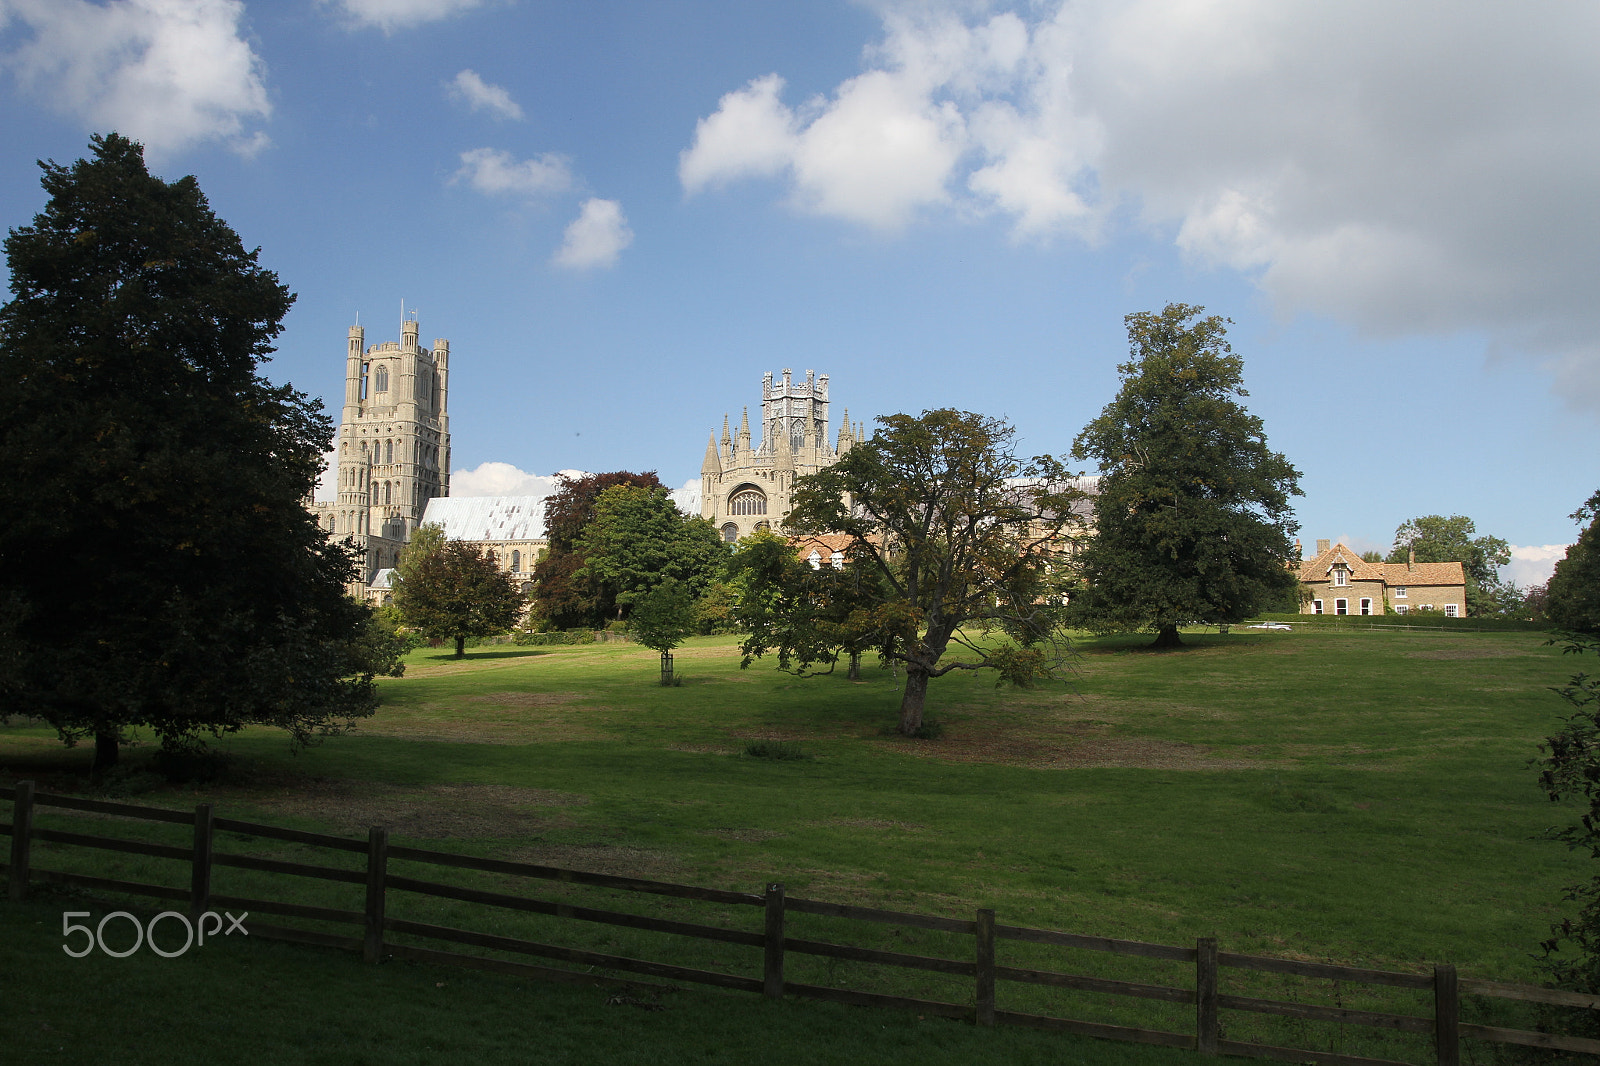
(621, 214)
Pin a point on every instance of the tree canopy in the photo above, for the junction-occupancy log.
(637, 538)
(451, 591)
(1572, 597)
(957, 541)
(158, 567)
(1193, 522)
(1437, 539)
(561, 595)
(662, 617)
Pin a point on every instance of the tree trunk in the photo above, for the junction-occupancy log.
(105, 754)
(855, 667)
(666, 668)
(461, 647)
(911, 701)
(1167, 637)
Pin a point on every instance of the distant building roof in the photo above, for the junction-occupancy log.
(487, 517)
(383, 579)
(1316, 569)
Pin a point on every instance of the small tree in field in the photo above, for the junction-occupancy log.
(1192, 520)
(662, 617)
(456, 592)
(961, 540)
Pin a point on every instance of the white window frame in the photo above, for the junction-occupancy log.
(1399, 592)
(1366, 605)
(1316, 606)
(1341, 576)
(1450, 611)
(1400, 608)
(1341, 606)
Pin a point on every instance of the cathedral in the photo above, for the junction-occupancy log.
(745, 486)
(393, 447)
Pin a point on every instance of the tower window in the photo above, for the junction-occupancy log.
(364, 369)
(748, 501)
(388, 445)
(381, 380)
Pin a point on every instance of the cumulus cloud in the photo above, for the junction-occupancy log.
(1532, 564)
(168, 73)
(499, 173)
(391, 15)
(596, 237)
(1410, 168)
(479, 95)
(503, 479)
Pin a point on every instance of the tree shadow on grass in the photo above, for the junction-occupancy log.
(445, 655)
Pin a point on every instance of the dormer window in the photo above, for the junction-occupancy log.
(1341, 575)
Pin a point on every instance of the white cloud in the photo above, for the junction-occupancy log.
(1413, 168)
(479, 95)
(503, 479)
(751, 134)
(1532, 564)
(391, 15)
(327, 489)
(168, 73)
(596, 237)
(498, 173)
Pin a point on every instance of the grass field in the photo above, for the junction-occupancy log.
(1359, 797)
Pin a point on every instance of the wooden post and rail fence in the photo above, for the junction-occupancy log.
(1208, 1036)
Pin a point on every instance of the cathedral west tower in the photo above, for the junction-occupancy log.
(393, 445)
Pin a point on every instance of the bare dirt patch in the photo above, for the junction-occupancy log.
(1479, 651)
(1063, 745)
(872, 823)
(616, 859)
(433, 812)
(743, 836)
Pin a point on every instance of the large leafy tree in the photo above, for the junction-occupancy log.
(1437, 539)
(1192, 519)
(561, 595)
(1572, 597)
(452, 591)
(158, 567)
(961, 539)
(637, 539)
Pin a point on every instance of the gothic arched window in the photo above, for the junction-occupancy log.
(388, 451)
(748, 500)
(516, 562)
(381, 382)
(730, 533)
(388, 487)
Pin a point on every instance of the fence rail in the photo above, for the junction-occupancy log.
(1443, 1023)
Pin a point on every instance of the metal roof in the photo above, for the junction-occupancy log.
(487, 517)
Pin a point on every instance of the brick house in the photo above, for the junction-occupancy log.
(1338, 581)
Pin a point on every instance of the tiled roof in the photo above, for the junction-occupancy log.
(824, 543)
(1392, 574)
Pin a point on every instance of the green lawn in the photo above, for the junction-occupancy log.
(1359, 797)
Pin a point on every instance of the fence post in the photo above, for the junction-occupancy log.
(1446, 1015)
(1205, 995)
(21, 839)
(377, 871)
(984, 930)
(772, 960)
(200, 863)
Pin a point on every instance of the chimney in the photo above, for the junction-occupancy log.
(1299, 552)
(1411, 559)
(1323, 546)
